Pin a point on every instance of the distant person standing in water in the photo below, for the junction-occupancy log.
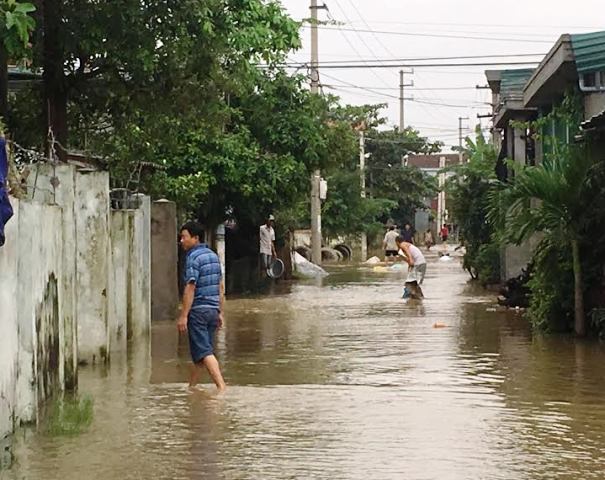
(444, 233)
(267, 243)
(408, 233)
(203, 300)
(429, 241)
(389, 244)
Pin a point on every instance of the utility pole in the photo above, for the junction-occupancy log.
(316, 176)
(460, 155)
(402, 98)
(401, 101)
(362, 179)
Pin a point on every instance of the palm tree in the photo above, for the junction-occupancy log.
(554, 199)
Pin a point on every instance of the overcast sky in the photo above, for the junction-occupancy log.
(513, 27)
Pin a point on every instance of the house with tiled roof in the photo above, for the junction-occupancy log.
(576, 63)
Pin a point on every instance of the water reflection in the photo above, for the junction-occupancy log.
(341, 379)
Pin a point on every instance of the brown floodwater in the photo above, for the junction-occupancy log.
(340, 379)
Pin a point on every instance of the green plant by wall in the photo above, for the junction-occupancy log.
(70, 415)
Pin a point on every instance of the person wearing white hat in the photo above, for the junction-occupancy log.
(267, 242)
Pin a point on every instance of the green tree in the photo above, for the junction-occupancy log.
(552, 199)
(16, 25)
(388, 177)
(469, 199)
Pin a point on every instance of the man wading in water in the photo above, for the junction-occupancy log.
(203, 301)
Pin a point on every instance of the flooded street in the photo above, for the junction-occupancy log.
(339, 379)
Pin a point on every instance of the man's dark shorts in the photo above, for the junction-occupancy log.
(201, 325)
(390, 253)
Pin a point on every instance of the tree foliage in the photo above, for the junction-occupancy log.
(468, 195)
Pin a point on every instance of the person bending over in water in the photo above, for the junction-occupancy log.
(417, 266)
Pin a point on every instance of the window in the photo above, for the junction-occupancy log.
(592, 81)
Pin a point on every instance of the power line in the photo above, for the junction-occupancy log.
(488, 25)
(409, 88)
(352, 45)
(470, 105)
(409, 65)
(422, 59)
(434, 35)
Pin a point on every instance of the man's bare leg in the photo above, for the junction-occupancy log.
(211, 364)
(194, 374)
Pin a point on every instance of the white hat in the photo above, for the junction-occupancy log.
(271, 217)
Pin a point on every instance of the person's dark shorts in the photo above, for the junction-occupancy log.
(201, 325)
(390, 253)
(444, 238)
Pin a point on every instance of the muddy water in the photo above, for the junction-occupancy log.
(339, 379)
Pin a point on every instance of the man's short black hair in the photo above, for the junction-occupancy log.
(194, 229)
(392, 227)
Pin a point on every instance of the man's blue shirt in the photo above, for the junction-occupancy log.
(204, 269)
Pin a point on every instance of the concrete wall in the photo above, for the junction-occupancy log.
(164, 260)
(9, 342)
(129, 297)
(31, 351)
(57, 270)
(594, 103)
(63, 195)
(140, 273)
(92, 264)
(119, 287)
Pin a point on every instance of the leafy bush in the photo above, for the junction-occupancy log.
(551, 306)
(487, 263)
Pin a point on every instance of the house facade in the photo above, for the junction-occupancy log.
(574, 65)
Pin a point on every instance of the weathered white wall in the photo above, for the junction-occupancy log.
(57, 270)
(130, 275)
(39, 309)
(9, 343)
(63, 195)
(92, 265)
(140, 272)
(121, 221)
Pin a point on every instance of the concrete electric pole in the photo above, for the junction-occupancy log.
(401, 101)
(316, 176)
(402, 98)
(460, 155)
(362, 179)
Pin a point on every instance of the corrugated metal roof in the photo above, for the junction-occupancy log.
(513, 81)
(589, 50)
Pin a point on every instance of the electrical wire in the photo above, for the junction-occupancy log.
(422, 59)
(435, 35)
(352, 45)
(408, 65)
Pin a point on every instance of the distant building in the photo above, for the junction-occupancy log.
(432, 165)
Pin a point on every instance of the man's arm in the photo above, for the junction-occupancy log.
(408, 256)
(221, 314)
(188, 296)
